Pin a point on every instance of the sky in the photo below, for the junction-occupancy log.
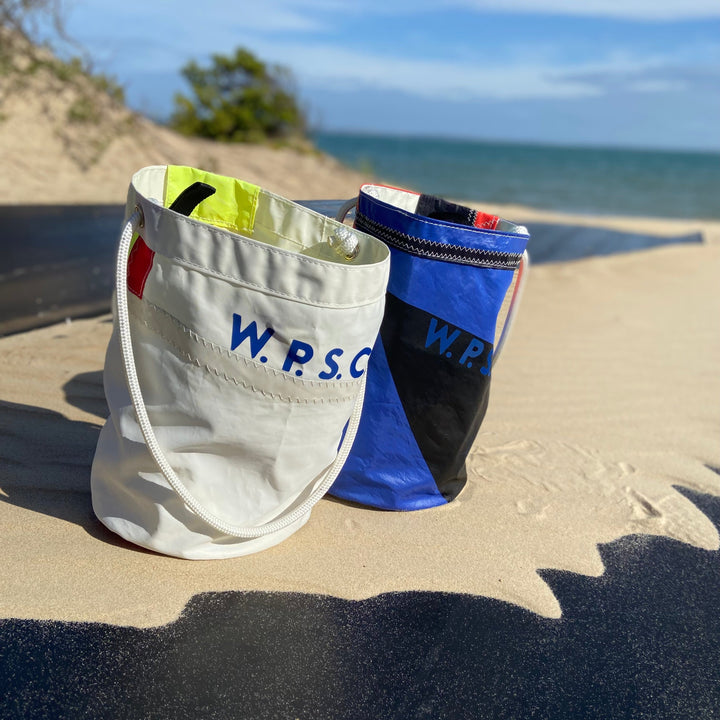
(628, 73)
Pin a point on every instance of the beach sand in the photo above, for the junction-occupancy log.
(604, 401)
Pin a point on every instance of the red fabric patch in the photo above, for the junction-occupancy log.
(140, 261)
(486, 221)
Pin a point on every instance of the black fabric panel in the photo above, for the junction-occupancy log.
(444, 400)
(438, 209)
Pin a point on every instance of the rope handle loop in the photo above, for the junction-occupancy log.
(136, 221)
(520, 280)
(522, 272)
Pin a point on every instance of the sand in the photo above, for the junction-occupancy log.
(48, 159)
(604, 402)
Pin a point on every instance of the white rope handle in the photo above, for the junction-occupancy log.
(136, 221)
(522, 272)
(348, 205)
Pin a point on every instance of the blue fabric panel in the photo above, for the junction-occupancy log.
(386, 468)
(465, 296)
(438, 230)
(429, 374)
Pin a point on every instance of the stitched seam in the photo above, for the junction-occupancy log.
(418, 246)
(248, 233)
(270, 291)
(219, 224)
(241, 239)
(478, 262)
(243, 383)
(219, 350)
(280, 235)
(435, 243)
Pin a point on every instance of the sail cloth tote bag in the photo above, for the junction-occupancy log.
(429, 374)
(236, 368)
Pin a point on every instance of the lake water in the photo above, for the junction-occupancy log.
(583, 180)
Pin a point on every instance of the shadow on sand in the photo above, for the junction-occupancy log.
(640, 641)
(45, 458)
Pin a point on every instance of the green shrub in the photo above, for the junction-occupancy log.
(238, 98)
(84, 110)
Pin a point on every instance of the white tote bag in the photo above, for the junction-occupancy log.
(235, 373)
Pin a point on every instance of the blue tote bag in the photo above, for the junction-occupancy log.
(428, 377)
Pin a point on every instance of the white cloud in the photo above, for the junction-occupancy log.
(653, 10)
(343, 68)
(526, 71)
(336, 68)
(655, 86)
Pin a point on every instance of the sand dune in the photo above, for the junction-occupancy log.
(49, 158)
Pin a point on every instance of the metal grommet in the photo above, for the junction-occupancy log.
(352, 253)
(139, 211)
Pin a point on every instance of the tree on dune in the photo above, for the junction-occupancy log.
(238, 98)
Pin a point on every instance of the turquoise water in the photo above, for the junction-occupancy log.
(586, 180)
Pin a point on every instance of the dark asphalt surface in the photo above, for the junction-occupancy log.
(58, 261)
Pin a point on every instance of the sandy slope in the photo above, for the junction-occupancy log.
(48, 159)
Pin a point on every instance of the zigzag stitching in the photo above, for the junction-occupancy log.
(230, 378)
(236, 358)
(416, 246)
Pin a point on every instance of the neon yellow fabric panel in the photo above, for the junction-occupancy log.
(233, 206)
